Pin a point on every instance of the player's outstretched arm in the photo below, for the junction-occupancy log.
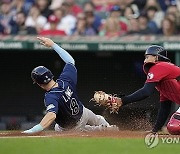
(66, 57)
(45, 122)
(114, 103)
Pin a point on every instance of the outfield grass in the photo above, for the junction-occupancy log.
(82, 146)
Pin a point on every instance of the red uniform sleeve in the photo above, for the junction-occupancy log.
(157, 73)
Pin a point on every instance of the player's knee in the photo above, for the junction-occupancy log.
(173, 125)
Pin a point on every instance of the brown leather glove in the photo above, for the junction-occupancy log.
(111, 102)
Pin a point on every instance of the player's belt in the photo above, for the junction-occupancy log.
(178, 78)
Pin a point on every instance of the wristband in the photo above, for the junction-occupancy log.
(35, 129)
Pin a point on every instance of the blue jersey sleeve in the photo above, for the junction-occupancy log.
(51, 105)
(69, 73)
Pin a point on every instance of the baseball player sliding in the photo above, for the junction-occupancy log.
(161, 75)
(62, 103)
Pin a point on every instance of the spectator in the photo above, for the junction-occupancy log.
(5, 16)
(128, 12)
(159, 14)
(53, 31)
(81, 28)
(168, 27)
(35, 19)
(173, 9)
(68, 21)
(151, 11)
(75, 9)
(166, 3)
(152, 3)
(95, 20)
(131, 11)
(175, 20)
(21, 6)
(133, 26)
(171, 2)
(67, 10)
(43, 6)
(18, 25)
(115, 12)
(29, 3)
(139, 3)
(55, 4)
(111, 28)
(59, 13)
(171, 16)
(178, 5)
(104, 5)
(163, 4)
(143, 25)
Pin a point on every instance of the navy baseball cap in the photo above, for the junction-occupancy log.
(115, 8)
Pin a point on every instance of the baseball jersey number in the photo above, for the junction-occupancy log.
(74, 106)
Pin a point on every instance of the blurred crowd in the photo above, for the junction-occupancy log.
(112, 18)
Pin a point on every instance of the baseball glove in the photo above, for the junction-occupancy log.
(109, 101)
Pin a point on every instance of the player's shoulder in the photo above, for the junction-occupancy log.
(52, 98)
(48, 96)
(53, 94)
(71, 66)
(162, 65)
(69, 73)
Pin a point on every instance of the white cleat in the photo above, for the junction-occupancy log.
(109, 128)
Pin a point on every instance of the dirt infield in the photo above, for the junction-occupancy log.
(71, 134)
(111, 134)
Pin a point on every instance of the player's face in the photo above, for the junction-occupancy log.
(150, 59)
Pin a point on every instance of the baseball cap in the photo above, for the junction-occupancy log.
(115, 8)
(53, 19)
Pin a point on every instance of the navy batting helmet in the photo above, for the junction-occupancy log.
(157, 51)
(41, 75)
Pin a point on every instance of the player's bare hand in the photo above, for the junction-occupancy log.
(46, 41)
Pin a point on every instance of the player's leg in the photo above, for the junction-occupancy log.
(94, 119)
(97, 122)
(92, 122)
(80, 125)
(173, 125)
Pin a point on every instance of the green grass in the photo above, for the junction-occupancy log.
(81, 146)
